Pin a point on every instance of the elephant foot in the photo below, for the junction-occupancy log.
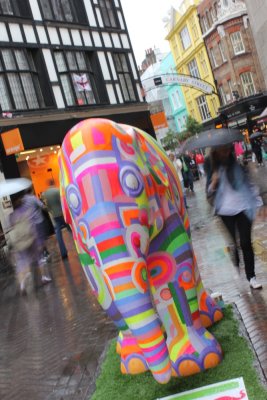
(200, 351)
(132, 359)
(209, 311)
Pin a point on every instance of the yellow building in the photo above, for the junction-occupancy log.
(191, 58)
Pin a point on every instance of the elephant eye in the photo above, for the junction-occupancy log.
(131, 181)
(74, 199)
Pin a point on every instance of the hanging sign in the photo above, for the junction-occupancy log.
(12, 141)
(82, 83)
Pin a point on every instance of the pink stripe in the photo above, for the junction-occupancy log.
(88, 197)
(95, 169)
(120, 274)
(106, 227)
(105, 185)
(109, 218)
(156, 356)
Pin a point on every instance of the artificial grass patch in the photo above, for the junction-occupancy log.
(237, 362)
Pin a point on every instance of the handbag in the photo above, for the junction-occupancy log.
(47, 223)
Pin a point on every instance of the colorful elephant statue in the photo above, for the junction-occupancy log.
(123, 200)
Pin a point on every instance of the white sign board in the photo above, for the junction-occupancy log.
(232, 389)
(182, 80)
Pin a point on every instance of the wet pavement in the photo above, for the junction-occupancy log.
(51, 342)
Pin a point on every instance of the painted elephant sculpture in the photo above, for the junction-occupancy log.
(124, 202)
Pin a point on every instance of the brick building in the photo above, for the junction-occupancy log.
(234, 60)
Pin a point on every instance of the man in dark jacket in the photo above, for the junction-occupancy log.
(186, 171)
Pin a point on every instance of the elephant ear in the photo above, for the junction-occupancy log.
(153, 158)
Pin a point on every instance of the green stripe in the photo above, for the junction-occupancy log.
(176, 302)
(113, 250)
(85, 259)
(174, 244)
(125, 293)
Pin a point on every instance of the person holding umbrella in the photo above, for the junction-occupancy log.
(235, 201)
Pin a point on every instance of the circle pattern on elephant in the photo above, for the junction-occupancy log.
(139, 276)
(74, 199)
(137, 240)
(131, 181)
(83, 231)
(185, 276)
(161, 268)
(126, 150)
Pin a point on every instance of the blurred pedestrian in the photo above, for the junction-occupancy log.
(186, 171)
(235, 200)
(256, 145)
(199, 158)
(52, 200)
(178, 166)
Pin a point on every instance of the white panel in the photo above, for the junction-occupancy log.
(121, 20)
(99, 17)
(116, 3)
(76, 37)
(139, 92)
(107, 40)
(29, 33)
(89, 12)
(54, 39)
(116, 40)
(65, 36)
(97, 40)
(119, 93)
(42, 34)
(104, 66)
(15, 33)
(50, 65)
(87, 38)
(111, 94)
(58, 97)
(35, 10)
(3, 33)
(125, 41)
(111, 63)
(95, 1)
(133, 67)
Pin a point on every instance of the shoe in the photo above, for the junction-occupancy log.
(43, 260)
(46, 279)
(254, 284)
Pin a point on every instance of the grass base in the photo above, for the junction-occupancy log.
(238, 362)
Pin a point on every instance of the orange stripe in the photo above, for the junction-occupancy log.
(106, 244)
(122, 288)
(119, 267)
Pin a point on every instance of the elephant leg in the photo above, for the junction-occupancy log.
(132, 357)
(132, 298)
(209, 311)
(192, 349)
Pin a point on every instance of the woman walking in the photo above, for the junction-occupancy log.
(235, 201)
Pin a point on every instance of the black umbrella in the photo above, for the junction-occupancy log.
(213, 138)
(256, 135)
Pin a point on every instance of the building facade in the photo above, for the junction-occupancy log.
(190, 56)
(257, 12)
(63, 61)
(234, 60)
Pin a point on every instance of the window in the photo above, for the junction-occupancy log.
(203, 108)
(247, 83)
(193, 68)
(124, 77)
(184, 121)
(213, 58)
(175, 48)
(230, 88)
(194, 28)
(223, 96)
(76, 77)
(185, 38)
(205, 25)
(15, 7)
(108, 13)
(63, 10)
(176, 101)
(213, 14)
(203, 64)
(19, 82)
(221, 48)
(237, 43)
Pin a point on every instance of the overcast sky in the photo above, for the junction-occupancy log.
(145, 25)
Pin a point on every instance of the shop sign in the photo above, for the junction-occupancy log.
(159, 120)
(12, 141)
(179, 79)
(232, 389)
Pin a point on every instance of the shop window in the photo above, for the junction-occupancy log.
(108, 13)
(19, 81)
(76, 76)
(123, 72)
(193, 68)
(185, 38)
(247, 83)
(63, 10)
(237, 43)
(203, 108)
(18, 8)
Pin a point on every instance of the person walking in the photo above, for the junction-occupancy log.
(235, 200)
(178, 167)
(199, 158)
(52, 200)
(257, 150)
(186, 172)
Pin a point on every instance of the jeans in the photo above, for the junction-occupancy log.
(59, 224)
(243, 225)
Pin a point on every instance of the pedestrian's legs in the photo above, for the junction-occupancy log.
(244, 226)
(191, 180)
(59, 223)
(230, 224)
